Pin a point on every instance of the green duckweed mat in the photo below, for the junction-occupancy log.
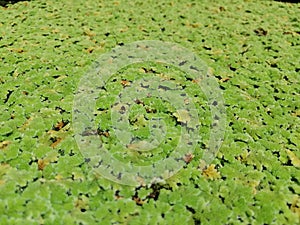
(253, 50)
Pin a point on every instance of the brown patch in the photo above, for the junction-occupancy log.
(261, 32)
(196, 81)
(188, 158)
(4, 144)
(118, 196)
(125, 83)
(137, 101)
(56, 142)
(104, 133)
(193, 25)
(26, 124)
(60, 125)
(89, 33)
(42, 164)
(222, 9)
(138, 200)
(145, 70)
(155, 192)
(295, 206)
(225, 79)
(17, 50)
(90, 49)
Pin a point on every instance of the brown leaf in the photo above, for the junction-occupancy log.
(138, 200)
(56, 142)
(125, 83)
(188, 158)
(4, 144)
(42, 164)
(60, 125)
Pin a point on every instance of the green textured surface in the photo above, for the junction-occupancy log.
(254, 49)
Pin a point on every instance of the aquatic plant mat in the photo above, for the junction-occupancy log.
(252, 51)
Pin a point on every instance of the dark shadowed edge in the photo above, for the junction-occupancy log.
(4, 3)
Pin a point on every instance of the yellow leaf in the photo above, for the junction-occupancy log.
(182, 115)
(211, 173)
(4, 169)
(295, 160)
